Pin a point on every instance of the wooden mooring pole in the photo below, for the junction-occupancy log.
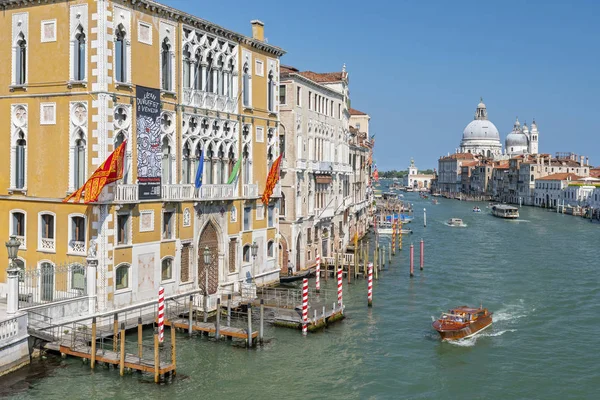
(173, 349)
(140, 338)
(249, 325)
(262, 321)
(218, 322)
(115, 332)
(229, 309)
(375, 262)
(190, 314)
(122, 352)
(156, 357)
(93, 360)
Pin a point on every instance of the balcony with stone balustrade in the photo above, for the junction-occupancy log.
(212, 101)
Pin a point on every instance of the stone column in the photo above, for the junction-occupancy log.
(12, 301)
(92, 264)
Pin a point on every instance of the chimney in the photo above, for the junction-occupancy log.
(258, 30)
(581, 161)
(587, 161)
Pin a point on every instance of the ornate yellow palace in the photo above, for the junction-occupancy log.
(68, 88)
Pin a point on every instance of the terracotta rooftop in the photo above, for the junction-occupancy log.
(323, 77)
(354, 111)
(563, 176)
(470, 163)
(595, 172)
(459, 156)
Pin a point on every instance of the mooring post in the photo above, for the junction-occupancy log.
(412, 260)
(190, 314)
(218, 321)
(370, 287)
(422, 254)
(229, 309)
(400, 235)
(375, 266)
(93, 361)
(262, 321)
(173, 349)
(391, 254)
(205, 302)
(140, 338)
(156, 358)
(424, 218)
(115, 332)
(356, 254)
(366, 262)
(122, 352)
(249, 325)
(382, 251)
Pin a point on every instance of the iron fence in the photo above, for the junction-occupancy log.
(50, 283)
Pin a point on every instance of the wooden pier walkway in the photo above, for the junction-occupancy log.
(211, 328)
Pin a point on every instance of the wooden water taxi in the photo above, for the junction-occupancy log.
(462, 322)
(505, 211)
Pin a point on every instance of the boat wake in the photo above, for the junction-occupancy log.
(511, 313)
(455, 226)
(469, 342)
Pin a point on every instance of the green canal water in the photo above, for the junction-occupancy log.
(540, 277)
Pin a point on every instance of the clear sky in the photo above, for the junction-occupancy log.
(418, 68)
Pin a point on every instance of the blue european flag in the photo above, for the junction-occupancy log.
(198, 180)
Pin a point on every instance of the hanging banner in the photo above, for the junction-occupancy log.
(149, 155)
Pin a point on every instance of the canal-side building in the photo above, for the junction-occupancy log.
(549, 189)
(415, 180)
(361, 159)
(69, 97)
(449, 178)
(316, 170)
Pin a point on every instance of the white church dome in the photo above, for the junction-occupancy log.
(481, 130)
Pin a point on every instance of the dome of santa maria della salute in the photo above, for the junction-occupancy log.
(481, 136)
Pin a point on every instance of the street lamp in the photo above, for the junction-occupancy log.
(12, 248)
(254, 248)
(207, 260)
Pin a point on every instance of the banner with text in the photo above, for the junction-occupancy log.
(148, 142)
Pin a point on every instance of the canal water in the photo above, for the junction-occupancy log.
(539, 275)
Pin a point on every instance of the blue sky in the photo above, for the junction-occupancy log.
(419, 67)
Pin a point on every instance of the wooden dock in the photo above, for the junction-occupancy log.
(211, 328)
(82, 343)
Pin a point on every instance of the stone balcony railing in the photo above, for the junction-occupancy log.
(250, 190)
(177, 192)
(212, 101)
(313, 165)
(300, 164)
(126, 193)
(21, 240)
(325, 166)
(216, 192)
(77, 247)
(47, 244)
(277, 190)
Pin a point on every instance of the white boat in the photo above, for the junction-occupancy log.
(505, 211)
(455, 222)
(476, 209)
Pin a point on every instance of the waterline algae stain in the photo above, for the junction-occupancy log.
(540, 279)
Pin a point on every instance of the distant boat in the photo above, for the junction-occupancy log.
(505, 211)
(455, 222)
(462, 322)
(434, 201)
(476, 209)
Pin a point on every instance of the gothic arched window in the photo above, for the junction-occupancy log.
(79, 55)
(120, 55)
(21, 61)
(166, 65)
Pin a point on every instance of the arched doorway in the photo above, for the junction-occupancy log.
(209, 238)
(283, 255)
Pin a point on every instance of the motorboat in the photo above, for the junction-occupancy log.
(455, 222)
(462, 322)
(476, 209)
(505, 211)
(434, 201)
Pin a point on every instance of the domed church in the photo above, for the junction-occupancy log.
(481, 135)
(522, 140)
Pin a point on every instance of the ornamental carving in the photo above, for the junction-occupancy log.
(79, 114)
(20, 116)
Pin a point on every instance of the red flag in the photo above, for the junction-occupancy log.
(110, 171)
(271, 180)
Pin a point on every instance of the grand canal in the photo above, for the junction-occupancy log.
(540, 277)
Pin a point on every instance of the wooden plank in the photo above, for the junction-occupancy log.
(210, 328)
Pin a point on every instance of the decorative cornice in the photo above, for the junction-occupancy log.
(176, 15)
(289, 76)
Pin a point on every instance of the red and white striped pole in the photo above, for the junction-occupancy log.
(304, 307)
(422, 254)
(161, 314)
(412, 260)
(370, 286)
(318, 273)
(339, 276)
